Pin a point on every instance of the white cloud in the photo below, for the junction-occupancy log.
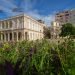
(28, 8)
(47, 19)
(7, 4)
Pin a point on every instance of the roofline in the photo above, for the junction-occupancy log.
(65, 11)
(9, 18)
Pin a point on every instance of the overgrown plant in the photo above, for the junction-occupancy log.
(38, 57)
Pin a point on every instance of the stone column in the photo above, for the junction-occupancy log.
(5, 37)
(12, 36)
(8, 24)
(17, 36)
(5, 24)
(8, 37)
(1, 37)
(23, 35)
(17, 23)
(1, 25)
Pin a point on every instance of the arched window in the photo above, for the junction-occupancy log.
(6, 37)
(2, 36)
(19, 36)
(10, 36)
(26, 35)
(15, 36)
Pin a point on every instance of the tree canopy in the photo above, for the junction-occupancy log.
(67, 30)
(47, 33)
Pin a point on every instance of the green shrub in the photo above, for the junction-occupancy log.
(38, 57)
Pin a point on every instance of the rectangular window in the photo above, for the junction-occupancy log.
(6, 24)
(3, 25)
(10, 24)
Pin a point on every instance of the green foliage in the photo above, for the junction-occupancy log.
(47, 32)
(39, 57)
(9, 53)
(67, 30)
(67, 52)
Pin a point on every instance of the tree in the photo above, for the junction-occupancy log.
(47, 33)
(67, 30)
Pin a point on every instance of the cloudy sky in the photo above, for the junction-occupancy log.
(38, 9)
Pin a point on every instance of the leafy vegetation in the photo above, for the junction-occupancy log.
(67, 30)
(38, 58)
(47, 32)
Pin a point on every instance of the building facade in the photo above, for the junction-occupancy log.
(55, 29)
(65, 17)
(60, 19)
(20, 28)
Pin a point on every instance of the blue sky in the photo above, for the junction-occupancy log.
(39, 9)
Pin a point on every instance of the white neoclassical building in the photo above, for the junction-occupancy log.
(19, 28)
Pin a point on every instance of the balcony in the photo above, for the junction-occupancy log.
(5, 29)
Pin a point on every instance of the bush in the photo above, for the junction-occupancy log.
(38, 58)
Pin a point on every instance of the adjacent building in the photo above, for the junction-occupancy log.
(65, 17)
(55, 29)
(19, 28)
(61, 18)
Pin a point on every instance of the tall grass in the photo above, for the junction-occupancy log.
(40, 57)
